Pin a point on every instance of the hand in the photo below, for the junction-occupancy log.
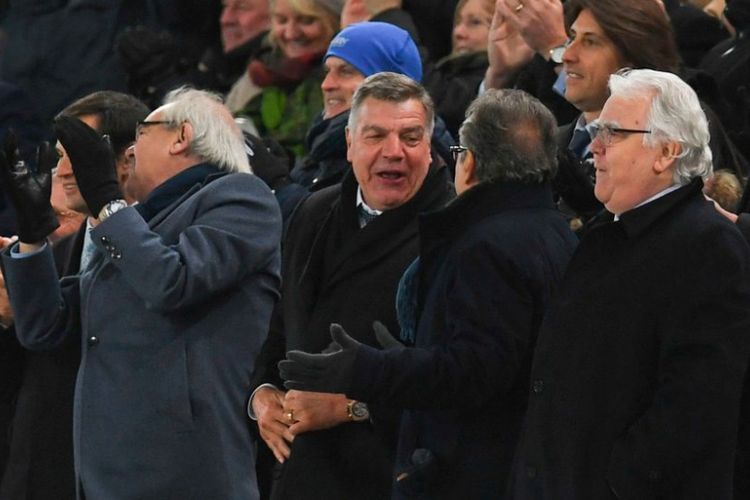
(354, 11)
(29, 191)
(384, 337)
(507, 51)
(268, 160)
(93, 162)
(321, 372)
(273, 423)
(314, 411)
(540, 22)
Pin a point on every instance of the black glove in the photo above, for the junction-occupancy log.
(93, 162)
(268, 160)
(29, 191)
(329, 372)
(384, 337)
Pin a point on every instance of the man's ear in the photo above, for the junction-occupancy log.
(670, 151)
(466, 170)
(182, 142)
(348, 144)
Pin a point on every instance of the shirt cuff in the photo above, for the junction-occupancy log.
(250, 412)
(15, 254)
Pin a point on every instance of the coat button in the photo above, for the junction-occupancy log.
(92, 341)
(531, 472)
(105, 240)
(537, 386)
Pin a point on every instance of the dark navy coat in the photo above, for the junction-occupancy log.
(489, 264)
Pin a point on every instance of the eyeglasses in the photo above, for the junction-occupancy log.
(147, 123)
(608, 134)
(457, 150)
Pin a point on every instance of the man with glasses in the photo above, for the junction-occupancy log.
(488, 265)
(172, 308)
(638, 370)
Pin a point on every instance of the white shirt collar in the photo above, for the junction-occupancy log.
(365, 206)
(664, 192)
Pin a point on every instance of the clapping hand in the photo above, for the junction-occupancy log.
(329, 372)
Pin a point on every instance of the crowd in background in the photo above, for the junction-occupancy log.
(287, 71)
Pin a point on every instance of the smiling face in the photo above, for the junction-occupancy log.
(472, 27)
(389, 150)
(629, 171)
(241, 21)
(338, 87)
(588, 62)
(298, 34)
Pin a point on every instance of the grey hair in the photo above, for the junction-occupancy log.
(395, 88)
(675, 115)
(216, 138)
(512, 137)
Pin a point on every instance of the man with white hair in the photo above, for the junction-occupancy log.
(638, 370)
(173, 306)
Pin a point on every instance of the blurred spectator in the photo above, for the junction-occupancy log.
(725, 189)
(284, 96)
(454, 80)
(434, 20)
(696, 31)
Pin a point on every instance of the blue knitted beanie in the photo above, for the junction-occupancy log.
(372, 47)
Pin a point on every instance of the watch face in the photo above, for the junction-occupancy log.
(556, 54)
(360, 411)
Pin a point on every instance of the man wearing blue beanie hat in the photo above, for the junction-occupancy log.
(358, 51)
(373, 47)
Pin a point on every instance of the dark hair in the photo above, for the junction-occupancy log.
(512, 137)
(117, 113)
(639, 29)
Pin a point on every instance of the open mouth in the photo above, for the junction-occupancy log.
(391, 176)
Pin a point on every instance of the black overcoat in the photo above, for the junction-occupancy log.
(335, 272)
(638, 369)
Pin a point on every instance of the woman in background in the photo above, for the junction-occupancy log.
(455, 79)
(282, 95)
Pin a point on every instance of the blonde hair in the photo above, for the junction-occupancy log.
(489, 8)
(330, 19)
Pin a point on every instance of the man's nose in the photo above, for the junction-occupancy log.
(392, 146)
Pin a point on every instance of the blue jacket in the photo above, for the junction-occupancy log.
(172, 313)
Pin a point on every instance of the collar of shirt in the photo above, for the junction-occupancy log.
(664, 192)
(365, 206)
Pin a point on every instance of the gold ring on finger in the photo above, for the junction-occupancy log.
(290, 415)
(518, 7)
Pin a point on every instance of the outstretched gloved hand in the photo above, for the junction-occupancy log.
(28, 184)
(93, 162)
(325, 372)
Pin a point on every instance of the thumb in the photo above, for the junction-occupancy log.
(339, 335)
(384, 336)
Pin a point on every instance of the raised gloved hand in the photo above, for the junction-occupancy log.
(93, 162)
(329, 372)
(28, 185)
(268, 160)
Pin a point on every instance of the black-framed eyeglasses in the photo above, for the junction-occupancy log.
(147, 123)
(457, 150)
(608, 134)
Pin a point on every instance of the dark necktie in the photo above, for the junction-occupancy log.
(365, 217)
(578, 143)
